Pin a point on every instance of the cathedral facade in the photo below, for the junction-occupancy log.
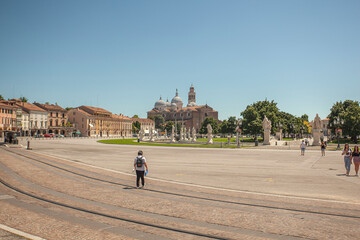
(190, 116)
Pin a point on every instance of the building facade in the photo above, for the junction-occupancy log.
(33, 118)
(8, 118)
(93, 121)
(190, 116)
(57, 119)
(145, 123)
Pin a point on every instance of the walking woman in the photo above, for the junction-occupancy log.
(356, 159)
(140, 165)
(323, 146)
(347, 158)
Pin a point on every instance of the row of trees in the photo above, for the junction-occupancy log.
(252, 117)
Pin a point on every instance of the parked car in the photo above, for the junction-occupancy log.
(59, 135)
(49, 135)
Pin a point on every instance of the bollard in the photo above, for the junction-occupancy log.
(28, 145)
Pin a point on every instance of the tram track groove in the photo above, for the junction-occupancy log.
(192, 196)
(109, 207)
(211, 225)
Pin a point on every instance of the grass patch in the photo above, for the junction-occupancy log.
(134, 142)
(233, 140)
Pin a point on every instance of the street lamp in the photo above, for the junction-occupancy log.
(337, 123)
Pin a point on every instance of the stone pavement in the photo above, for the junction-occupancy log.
(258, 170)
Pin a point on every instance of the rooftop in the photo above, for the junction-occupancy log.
(50, 107)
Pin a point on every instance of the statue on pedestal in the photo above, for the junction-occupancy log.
(209, 134)
(141, 134)
(267, 130)
(185, 134)
(172, 137)
(151, 135)
(316, 130)
(193, 135)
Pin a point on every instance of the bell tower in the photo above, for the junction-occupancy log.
(192, 95)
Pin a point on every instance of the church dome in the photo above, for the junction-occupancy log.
(168, 104)
(173, 105)
(176, 99)
(160, 103)
(192, 104)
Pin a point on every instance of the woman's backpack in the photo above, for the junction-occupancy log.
(139, 162)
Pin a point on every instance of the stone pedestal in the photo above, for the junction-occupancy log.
(279, 135)
(316, 137)
(266, 137)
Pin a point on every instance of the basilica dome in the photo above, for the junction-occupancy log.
(192, 104)
(160, 104)
(168, 104)
(177, 99)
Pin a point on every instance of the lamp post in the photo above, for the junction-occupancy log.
(337, 123)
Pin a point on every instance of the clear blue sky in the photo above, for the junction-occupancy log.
(122, 55)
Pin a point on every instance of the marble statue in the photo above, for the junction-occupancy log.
(316, 131)
(141, 134)
(193, 135)
(209, 134)
(172, 137)
(151, 135)
(267, 130)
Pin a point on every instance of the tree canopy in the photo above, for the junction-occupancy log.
(159, 122)
(254, 114)
(228, 126)
(214, 124)
(136, 126)
(346, 116)
(23, 99)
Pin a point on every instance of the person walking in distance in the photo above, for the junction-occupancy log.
(302, 147)
(356, 159)
(323, 147)
(140, 165)
(347, 158)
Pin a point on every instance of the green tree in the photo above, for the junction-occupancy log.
(262, 108)
(136, 126)
(168, 126)
(252, 123)
(135, 116)
(228, 126)
(304, 117)
(346, 116)
(159, 122)
(214, 124)
(1, 98)
(23, 99)
(68, 108)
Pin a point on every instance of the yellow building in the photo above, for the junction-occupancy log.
(94, 121)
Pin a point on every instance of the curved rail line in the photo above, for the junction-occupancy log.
(109, 216)
(190, 196)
